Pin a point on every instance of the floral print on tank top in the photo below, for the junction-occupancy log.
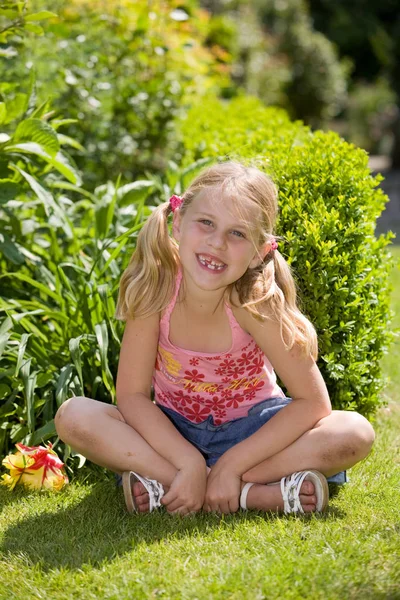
(224, 385)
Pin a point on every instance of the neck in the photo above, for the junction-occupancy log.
(201, 302)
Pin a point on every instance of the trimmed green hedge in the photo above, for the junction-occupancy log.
(329, 204)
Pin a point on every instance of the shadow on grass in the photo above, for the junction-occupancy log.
(98, 528)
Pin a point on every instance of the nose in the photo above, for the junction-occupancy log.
(216, 239)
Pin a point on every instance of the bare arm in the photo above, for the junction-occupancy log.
(306, 387)
(133, 387)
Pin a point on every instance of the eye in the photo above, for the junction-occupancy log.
(238, 233)
(205, 221)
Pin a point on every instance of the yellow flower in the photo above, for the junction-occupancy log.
(35, 467)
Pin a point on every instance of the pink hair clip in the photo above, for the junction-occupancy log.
(175, 202)
(274, 244)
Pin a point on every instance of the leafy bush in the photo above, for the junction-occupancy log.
(62, 253)
(123, 72)
(329, 203)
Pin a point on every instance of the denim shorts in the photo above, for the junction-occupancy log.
(213, 440)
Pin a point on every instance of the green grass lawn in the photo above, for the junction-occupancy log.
(81, 543)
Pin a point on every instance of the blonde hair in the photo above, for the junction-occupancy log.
(267, 291)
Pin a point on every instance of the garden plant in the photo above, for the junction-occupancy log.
(66, 235)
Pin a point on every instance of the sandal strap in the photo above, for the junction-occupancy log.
(243, 495)
(290, 488)
(155, 490)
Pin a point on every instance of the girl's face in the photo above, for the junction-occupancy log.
(215, 246)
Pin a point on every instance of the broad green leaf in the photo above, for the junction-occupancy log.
(40, 132)
(43, 14)
(131, 193)
(42, 434)
(6, 325)
(104, 210)
(50, 205)
(34, 28)
(40, 110)
(10, 250)
(29, 380)
(42, 288)
(8, 13)
(56, 123)
(4, 391)
(8, 407)
(61, 392)
(59, 162)
(66, 140)
(102, 339)
(65, 185)
(8, 190)
(3, 341)
(17, 107)
(21, 352)
(122, 241)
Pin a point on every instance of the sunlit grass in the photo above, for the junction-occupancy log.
(81, 543)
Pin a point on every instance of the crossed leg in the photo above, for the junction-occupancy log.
(99, 432)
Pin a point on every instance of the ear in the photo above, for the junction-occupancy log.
(260, 255)
(176, 224)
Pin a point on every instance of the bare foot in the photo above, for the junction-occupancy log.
(269, 497)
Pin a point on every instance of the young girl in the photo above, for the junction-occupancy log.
(211, 315)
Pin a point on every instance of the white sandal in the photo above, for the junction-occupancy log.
(290, 488)
(154, 488)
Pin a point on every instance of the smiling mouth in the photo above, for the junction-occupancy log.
(211, 265)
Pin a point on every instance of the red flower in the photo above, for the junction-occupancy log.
(236, 372)
(255, 387)
(235, 401)
(194, 375)
(215, 403)
(218, 416)
(227, 393)
(245, 359)
(224, 367)
(180, 398)
(194, 362)
(256, 365)
(197, 413)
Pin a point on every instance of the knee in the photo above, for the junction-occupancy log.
(70, 418)
(360, 434)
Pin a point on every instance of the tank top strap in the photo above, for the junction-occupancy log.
(239, 336)
(170, 307)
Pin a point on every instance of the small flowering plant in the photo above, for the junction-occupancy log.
(35, 467)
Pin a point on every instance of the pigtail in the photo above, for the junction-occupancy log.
(148, 282)
(269, 291)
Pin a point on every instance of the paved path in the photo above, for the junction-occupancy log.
(390, 218)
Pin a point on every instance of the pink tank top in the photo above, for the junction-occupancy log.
(199, 384)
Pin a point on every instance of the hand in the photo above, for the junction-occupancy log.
(187, 491)
(223, 490)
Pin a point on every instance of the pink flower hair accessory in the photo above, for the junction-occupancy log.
(274, 244)
(175, 202)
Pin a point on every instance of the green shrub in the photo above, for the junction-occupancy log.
(123, 72)
(62, 253)
(329, 203)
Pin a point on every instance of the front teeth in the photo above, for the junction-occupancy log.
(210, 264)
